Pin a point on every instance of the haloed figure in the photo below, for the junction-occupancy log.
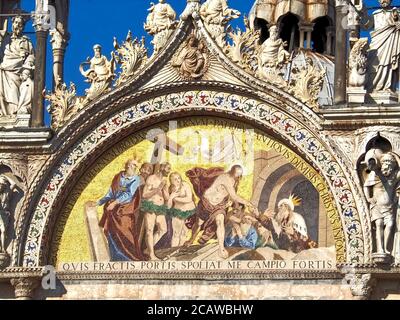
(181, 206)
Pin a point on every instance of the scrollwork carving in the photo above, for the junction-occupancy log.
(131, 55)
(307, 83)
(64, 104)
(243, 49)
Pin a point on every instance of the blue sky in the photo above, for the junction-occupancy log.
(98, 21)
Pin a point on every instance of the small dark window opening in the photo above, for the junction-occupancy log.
(318, 35)
(262, 25)
(289, 30)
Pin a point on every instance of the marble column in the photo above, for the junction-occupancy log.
(340, 54)
(59, 44)
(330, 37)
(305, 34)
(39, 76)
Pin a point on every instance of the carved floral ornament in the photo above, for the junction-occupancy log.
(193, 59)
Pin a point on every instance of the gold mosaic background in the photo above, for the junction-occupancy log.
(71, 242)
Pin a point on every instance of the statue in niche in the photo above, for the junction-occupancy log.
(384, 52)
(160, 23)
(216, 15)
(16, 51)
(192, 61)
(381, 190)
(8, 185)
(100, 73)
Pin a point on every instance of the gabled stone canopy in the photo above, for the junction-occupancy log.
(143, 100)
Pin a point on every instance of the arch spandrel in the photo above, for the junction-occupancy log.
(218, 103)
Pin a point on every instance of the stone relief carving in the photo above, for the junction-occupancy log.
(160, 23)
(381, 188)
(358, 63)
(216, 15)
(9, 185)
(17, 55)
(384, 54)
(100, 74)
(243, 49)
(307, 83)
(192, 61)
(131, 55)
(272, 58)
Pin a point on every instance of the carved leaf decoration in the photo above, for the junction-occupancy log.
(132, 55)
(243, 50)
(64, 104)
(307, 83)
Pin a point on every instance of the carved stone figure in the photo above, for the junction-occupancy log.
(384, 52)
(358, 63)
(26, 93)
(7, 187)
(216, 15)
(160, 23)
(15, 50)
(380, 189)
(192, 61)
(272, 56)
(100, 73)
(131, 55)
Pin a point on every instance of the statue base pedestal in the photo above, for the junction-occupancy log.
(4, 260)
(356, 95)
(382, 258)
(384, 97)
(17, 121)
(24, 135)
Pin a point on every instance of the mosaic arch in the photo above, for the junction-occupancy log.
(343, 214)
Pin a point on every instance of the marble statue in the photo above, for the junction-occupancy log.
(272, 57)
(160, 23)
(273, 53)
(380, 189)
(26, 93)
(192, 61)
(16, 49)
(358, 63)
(216, 15)
(385, 48)
(100, 73)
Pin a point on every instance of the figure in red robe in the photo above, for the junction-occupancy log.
(121, 215)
